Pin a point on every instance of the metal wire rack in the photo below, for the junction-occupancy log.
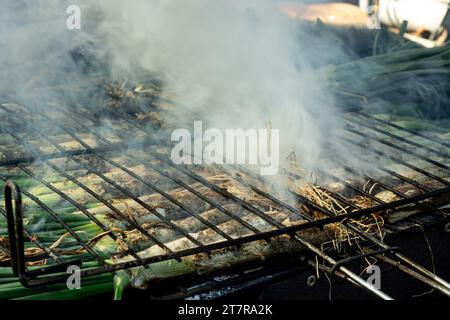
(370, 136)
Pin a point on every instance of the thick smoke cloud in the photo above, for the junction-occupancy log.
(235, 63)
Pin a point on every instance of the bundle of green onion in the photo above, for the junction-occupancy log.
(50, 233)
(412, 83)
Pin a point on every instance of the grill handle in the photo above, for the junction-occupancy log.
(15, 228)
(14, 218)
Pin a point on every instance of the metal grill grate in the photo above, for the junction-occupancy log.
(94, 154)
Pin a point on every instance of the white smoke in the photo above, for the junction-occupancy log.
(236, 63)
(239, 64)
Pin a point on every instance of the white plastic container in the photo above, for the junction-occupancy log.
(420, 14)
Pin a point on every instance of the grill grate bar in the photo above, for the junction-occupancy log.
(106, 203)
(260, 236)
(228, 195)
(389, 172)
(55, 216)
(169, 176)
(169, 197)
(255, 237)
(432, 280)
(305, 243)
(77, 205)
(222, 192)
(396, 159)
(265, 194)
(126, 192)
(37, 242)
(375, 181)
(405, 179)
(399, 148)
(435, 139)
(349, 185)
(279, 230)
(130, 195)
(402, 139)
(93, 194)
(56, 155)
(144, 181)
(205, 182)
(301, 198)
